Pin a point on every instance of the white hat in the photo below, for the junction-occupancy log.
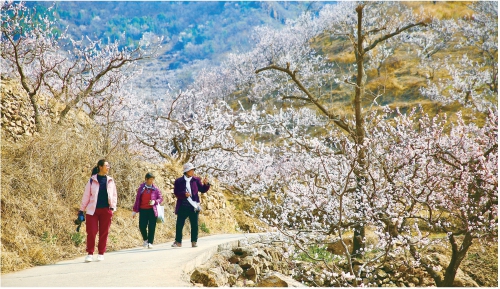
(187, 167)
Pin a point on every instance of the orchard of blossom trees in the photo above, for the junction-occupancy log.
(264, 123)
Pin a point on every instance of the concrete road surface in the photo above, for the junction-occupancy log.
(162, 266)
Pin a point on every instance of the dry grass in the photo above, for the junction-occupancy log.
(344, 57)
(443, 9)
(42, 181)
(481, 264)
(241, 205)
(383, 83)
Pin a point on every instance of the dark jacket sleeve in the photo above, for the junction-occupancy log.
(180, 189)
(160, 197)
(137, 198)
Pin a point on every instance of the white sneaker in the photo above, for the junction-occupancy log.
(100, 257)
(89, 258)
(150, 246)
(145, 244)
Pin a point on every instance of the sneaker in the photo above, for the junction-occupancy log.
(177, 245)
(150, 246)
(89, 258)
(145, 244)
(193, 244)
(100, 257)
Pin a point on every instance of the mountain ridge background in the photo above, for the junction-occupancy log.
(193, 31)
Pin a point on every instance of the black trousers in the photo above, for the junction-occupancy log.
(147, 224)
(182, 215)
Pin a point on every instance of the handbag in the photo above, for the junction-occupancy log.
(161, 214)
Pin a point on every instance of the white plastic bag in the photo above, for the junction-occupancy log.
(161, 214)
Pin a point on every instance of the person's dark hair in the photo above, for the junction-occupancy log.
(149, 176)
(100, 163)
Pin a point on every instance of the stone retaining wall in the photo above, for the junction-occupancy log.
(258, 264)
(265, 265)
(18, 116)
(17, 113)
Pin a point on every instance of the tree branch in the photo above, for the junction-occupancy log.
(387, 36)
(293, 75)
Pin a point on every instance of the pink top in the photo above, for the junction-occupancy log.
(89, 199)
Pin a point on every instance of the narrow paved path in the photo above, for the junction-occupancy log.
(162, 266)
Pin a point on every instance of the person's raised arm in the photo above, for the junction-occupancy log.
(203, 186)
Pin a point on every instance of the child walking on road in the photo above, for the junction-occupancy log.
(148, 196)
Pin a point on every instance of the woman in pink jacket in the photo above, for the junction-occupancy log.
(99, 202)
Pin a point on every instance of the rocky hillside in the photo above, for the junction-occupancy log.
(260, 263)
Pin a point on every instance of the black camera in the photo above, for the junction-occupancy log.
(79, 220)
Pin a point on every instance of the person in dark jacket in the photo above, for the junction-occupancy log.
(148, 196)
(186, 190)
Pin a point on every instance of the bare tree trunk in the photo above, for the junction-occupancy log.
(38, 118)
(31, 92)
(68, 107)
(457, 255)
(63, 114)
(359, 231)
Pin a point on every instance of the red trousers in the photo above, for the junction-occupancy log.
(100, 222)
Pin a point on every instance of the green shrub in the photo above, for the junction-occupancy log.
(77, 238)
(49, 239)
(204, 228)
(316, 252)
